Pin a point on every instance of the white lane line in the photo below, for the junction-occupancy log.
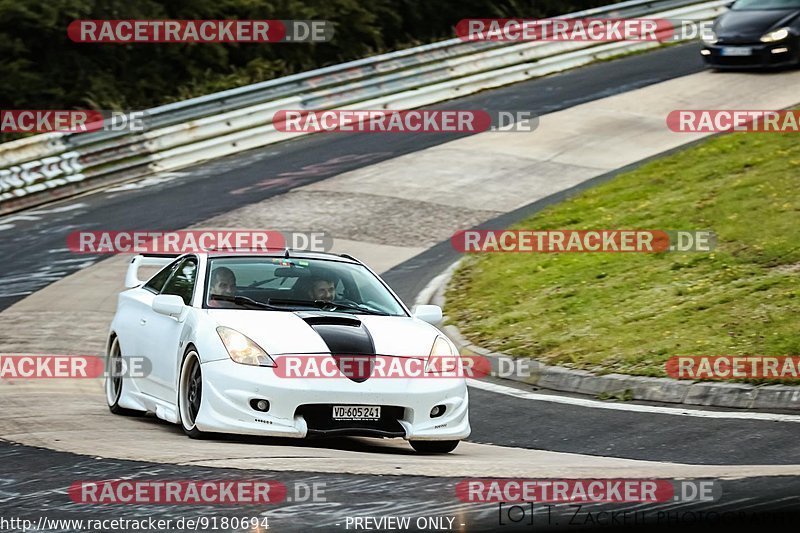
(61, 209)
(156, 179)
(581, 402)
(20, 218)
(33, 216)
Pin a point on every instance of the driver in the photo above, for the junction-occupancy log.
(223, 283)
(322, 287)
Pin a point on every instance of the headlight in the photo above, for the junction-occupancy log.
(775, 36)
(441, 347)
(710, 37)
(443, 358)
(242, 349)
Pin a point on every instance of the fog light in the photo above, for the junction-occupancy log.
(705, 52)
(260, 405)
(780, 50)
(438, 411)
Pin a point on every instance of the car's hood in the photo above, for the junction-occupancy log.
(752, 24)
(280, 332)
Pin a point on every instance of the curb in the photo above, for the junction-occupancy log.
(667, 390)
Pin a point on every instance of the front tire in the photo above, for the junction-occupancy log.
(115, 382)
(434, 446)
(190, 394)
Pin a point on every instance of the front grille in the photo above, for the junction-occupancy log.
(738, 61)
(756, 60)
(738, 40)
(762, 56)
(319, 418)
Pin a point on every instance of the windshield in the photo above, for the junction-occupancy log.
(766, 4)
(296, 284)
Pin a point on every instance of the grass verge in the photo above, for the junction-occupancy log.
(629, 313)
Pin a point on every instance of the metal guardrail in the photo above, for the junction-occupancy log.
(39, 169)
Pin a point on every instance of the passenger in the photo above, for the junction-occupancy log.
(223, 283)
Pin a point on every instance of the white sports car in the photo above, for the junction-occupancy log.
(217, 329)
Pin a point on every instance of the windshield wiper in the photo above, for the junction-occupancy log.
(245, 301)
(321, 304)
(365, 310)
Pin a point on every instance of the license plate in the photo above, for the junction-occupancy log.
(356, 412)
(737, 51)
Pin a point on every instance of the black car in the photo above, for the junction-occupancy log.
(755, 33)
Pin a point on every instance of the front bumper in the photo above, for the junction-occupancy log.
(298, 406)
(781, 54)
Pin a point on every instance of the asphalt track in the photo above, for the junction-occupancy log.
(32, 255)
(32, 243)
(43, 490)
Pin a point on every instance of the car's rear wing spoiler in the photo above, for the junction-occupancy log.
(160, 260)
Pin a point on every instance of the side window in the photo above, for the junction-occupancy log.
(156, 283)
(182, 282)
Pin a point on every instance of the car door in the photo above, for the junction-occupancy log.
(133, 313)
(161, 334)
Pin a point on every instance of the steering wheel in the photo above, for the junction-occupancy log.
(347, 301)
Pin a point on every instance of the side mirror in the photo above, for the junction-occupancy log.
(168, 304)
(432, 314)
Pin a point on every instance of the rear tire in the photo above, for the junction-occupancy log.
(190, 395)
(434, 446)
(115, 383)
